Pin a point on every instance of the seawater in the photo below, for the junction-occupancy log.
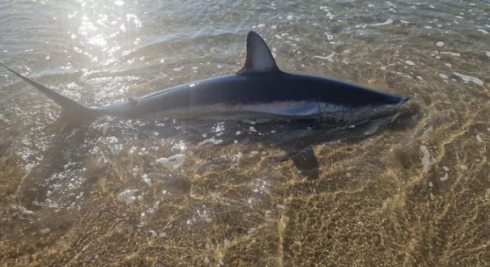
(411, 189)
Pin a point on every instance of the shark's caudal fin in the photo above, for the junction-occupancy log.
(71, 109)
(259, 56)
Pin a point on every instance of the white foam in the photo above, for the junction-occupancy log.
(128, 196)
(329, 57)
(467, 78)
(425, 158)
(146, 179)
(172, 162)
(211, 140)
(387, 22)
(153, 233)
(483, 31)
(444, 76)
(411, 63)
(239, 155)
(451, 54)
(440, 44)
(487, 53)
(22, 209)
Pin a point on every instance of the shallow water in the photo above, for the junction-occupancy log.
(408, 189)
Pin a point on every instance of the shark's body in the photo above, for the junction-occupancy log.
(259, 90)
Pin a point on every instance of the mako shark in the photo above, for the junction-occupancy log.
(259, 90)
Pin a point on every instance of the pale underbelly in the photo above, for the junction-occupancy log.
(278, 110)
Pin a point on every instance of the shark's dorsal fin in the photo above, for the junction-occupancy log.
(259, 56)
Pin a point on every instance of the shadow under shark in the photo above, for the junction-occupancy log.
(259, 90)
(69, 151)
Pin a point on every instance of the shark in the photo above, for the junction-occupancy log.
(259, 90)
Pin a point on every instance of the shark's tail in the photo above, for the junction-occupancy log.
(71, 109)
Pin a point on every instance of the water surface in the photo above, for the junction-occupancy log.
(409, 189)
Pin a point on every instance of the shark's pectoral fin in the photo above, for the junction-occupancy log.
(259, 56)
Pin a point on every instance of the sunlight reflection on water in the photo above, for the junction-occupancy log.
(99, 27)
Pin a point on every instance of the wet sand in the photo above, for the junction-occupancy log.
(410, 189)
